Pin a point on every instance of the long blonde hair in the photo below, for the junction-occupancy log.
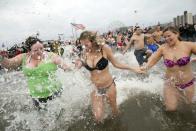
(96, 40)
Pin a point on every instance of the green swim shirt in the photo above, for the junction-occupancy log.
(41, 80)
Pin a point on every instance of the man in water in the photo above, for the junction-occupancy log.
(140, 51)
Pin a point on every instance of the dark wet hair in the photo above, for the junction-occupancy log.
(173, 30)
(30, 41)
(91, 36)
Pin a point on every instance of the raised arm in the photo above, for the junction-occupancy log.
(117, 64)
(12, 63)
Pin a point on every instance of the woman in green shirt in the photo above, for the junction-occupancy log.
(39, 67)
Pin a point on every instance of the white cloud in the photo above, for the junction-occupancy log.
(50, 17)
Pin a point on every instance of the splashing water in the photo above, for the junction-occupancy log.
(139, 99)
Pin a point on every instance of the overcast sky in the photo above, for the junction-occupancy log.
(21, 18)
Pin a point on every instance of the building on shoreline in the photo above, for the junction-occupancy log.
(194, 19)
(186, 18)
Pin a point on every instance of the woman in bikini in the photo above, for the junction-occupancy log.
(96, 58)
(179, 79)
(39, 67)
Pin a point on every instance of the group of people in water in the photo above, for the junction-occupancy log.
(40, 66)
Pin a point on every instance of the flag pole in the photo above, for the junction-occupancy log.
(72, 32)
(76, 34)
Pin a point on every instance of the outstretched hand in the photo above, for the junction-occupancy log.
(143, 68)
(139, 70)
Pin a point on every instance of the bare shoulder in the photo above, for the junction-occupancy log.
(188, 44)
(106, 48)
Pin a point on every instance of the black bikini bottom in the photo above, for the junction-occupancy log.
(37, 101)
(103, 91)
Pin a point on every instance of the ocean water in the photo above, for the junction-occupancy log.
(139, 99)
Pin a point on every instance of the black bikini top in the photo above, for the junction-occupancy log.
(101, 64)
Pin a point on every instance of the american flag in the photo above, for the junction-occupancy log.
(78, 26)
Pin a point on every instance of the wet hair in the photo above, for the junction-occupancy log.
(30, 41)
(173, 30)
(92, 37)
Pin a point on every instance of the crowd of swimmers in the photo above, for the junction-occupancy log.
(16, 49)
(39, 66)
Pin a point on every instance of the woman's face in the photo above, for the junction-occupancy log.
(87, 43)
(170, 38)
(37, 49)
